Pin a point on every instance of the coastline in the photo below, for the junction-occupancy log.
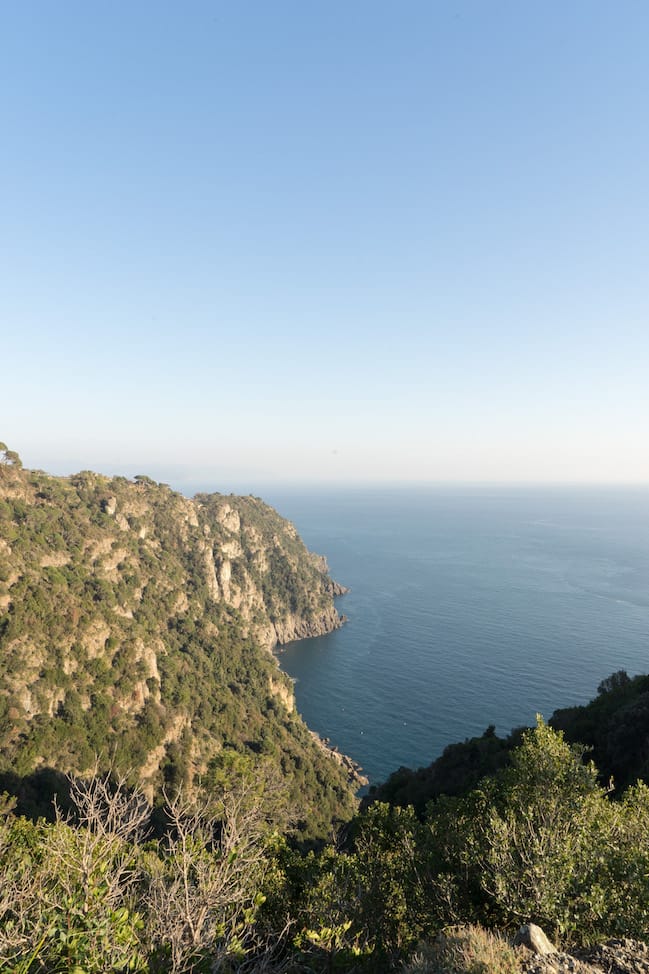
(328, 623)
(353, 768)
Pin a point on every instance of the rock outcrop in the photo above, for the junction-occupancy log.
(256, 563)
(539, 956)
(295, 627)
(532, 937)
(352, 768)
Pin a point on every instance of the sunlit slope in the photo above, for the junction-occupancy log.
(136, 624)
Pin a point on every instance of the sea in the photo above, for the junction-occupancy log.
(468, 606)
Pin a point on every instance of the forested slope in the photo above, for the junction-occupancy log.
(135, 634)
(136, 627)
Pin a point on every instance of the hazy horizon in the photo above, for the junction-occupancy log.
(327, 244)
(186, 482)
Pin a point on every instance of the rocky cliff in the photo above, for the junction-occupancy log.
(136, 624)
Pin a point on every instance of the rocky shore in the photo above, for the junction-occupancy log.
(294, 627)
(353, 769)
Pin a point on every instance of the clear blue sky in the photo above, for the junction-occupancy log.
(340, 241)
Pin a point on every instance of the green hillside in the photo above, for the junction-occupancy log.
(137, 682)
(136, 629)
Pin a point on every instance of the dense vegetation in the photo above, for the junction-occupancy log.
(134, 635)
(222, 890)
(135, 629)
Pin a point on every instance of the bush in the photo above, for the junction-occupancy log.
(542, 842)
(465, 950)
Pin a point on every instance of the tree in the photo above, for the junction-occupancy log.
(542, 829)
(543, 842)
(204, 887)
(9, 458)
(91, 875)
(613, 682)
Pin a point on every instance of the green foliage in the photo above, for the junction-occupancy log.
(9, 458)
(534, 844)
(92, 896)
(118, 644)
(616, 726)
(85, 932)
(539, 841)
(394, 899)
(114, 642)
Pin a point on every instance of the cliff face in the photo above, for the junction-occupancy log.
(136, 624)
(256, 563)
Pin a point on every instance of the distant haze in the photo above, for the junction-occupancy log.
(246, 244)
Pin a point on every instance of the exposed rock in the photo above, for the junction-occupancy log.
(534, 939)
(110, 505)
(23, 697)
(320, 562)
(229, 519)
(94, 638)
(210, 571)
(113, 558)
(280, 689)
(232, 549)
(613, 957)
(620, 957)
(224, 574)
(354, 770)
(253, 553)
(148, 654)
(556, 963)
(98, 548)
(57, 698)
(155, 756)
(156, 586)
(295, 627)
(57, 559)
(337, 589)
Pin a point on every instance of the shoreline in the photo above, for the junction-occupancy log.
(354, 770)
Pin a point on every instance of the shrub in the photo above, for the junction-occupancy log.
(465, 950)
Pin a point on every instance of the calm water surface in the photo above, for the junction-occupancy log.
(467, 607)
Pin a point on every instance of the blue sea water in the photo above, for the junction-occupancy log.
(468, 607)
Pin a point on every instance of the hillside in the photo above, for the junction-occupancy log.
(136, 631)
(136, 626)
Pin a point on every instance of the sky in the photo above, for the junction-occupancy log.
(329, 242)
